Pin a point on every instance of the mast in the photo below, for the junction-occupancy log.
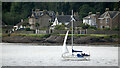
(72, 30)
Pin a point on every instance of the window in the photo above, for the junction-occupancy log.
(100, 21)
(107, 20)
(50, 20)
(106, 26)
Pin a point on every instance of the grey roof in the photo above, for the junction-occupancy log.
(111, 13)
(21, 23)
(41, 13)
(89, 16)
(75, 24)
(66, 18)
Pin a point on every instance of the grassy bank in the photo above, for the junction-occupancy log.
(79, 35)
(94, 35)
(58, 38)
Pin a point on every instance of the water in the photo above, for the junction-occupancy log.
(19, 54)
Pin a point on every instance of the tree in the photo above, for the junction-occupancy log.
(50, 23)
(37, 25)
(84, 26)
(93, 27)
(60, 27)
(12, 12)
(84, 10)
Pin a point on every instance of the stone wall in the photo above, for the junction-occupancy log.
(25, 32)
(42, 32)
(64, 32)
(86, 32)
(102, 32)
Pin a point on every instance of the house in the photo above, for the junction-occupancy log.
(63, 19)
(43, 18)
(109, 19)
(91, 19)
(21, 25)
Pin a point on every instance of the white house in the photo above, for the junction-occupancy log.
(63, 19)
(55, 22)
(90, 20)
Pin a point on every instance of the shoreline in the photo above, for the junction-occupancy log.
(59, 39)
(55, 44)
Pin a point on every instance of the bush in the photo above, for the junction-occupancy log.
(60, 27)
(47, 35)
(93, 27)
(84, 26)
(116, 28)
(107, 29)
(27, 29)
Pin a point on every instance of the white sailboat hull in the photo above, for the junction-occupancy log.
(74, 57)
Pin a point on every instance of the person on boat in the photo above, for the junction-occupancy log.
(83, 54)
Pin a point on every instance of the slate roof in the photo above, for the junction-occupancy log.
(66, 18)
(75, 24)
(21, 23)
(41, 13)
(111, 13)
(87, 17)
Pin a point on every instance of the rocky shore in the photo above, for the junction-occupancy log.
(58, 39)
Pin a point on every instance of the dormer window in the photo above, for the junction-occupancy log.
(50, 20)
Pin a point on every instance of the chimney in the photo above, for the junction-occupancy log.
(62, 13)
(107, 9)
(21, 20)
(114, 9)
(32, 15)
(32, 10)
(98, 13)
(37, 9)
(76, 13)
(90, 13)
(57, 13)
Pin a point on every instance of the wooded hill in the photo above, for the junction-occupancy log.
(12, 12)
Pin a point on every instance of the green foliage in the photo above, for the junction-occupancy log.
(84, 10)
(106, 28)
(93, 27)
(14, 11)
(50, 23)
(84, 26)
(60, 27)
(10, 19)
(37, 25)
(31, 35)
(27, 29)
(71, 28)
(26, 24)
(116, 28)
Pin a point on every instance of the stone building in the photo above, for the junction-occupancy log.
(109, 19)
(91, 19)
(43, 18)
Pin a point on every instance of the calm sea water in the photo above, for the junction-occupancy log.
(19, 54)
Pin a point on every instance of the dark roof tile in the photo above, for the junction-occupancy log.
(111, 13)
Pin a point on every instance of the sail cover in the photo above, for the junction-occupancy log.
(65, 49)
(76, 51)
